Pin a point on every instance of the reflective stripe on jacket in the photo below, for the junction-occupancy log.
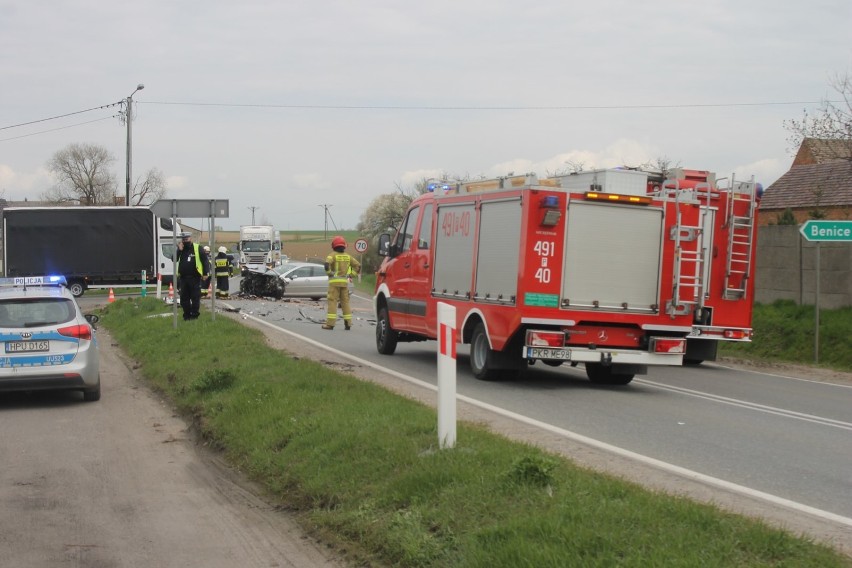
(339, 266)
(222, 266)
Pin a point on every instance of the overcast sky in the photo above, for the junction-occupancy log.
(287, 106)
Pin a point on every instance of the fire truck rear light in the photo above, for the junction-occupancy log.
(545, 338)
(736, 334)
(674, 345)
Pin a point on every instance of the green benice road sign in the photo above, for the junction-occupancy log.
(827, 230)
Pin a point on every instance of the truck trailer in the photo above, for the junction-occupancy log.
(90, 246)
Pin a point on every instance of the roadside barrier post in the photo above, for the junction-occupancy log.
(144, 281)
(159, 285)
(446, 375)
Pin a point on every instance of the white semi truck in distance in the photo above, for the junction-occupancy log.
(260, 245)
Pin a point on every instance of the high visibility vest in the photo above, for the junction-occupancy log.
(198, 265)
(339, 267)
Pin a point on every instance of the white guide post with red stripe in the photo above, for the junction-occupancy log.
(446, 375)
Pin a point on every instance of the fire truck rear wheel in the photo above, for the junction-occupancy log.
(483, 358)
(386, 336)
(604, 375)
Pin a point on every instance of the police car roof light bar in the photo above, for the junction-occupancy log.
(25, 281)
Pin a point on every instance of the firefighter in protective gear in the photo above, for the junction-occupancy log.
(205, 283)
(223, 267)
(339, 266)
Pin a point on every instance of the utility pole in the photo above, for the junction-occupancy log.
(325, 207)
(128, 117)
(252, 209)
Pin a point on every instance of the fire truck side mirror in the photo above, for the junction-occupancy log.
(384, 245)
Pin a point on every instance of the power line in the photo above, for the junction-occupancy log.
(487, 108)
(425, 107)
(60, 116)
(55, 129)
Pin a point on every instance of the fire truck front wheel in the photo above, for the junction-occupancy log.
(607, 375)
(386, 336)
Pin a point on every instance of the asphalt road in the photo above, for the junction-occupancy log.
(774, 438)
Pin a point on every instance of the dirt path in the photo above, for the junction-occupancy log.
(121, 482)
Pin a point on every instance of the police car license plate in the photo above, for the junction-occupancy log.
(548, 353)
(27, 346)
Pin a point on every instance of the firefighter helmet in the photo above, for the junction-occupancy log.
(338, 241)
(207, 249)
(223, 250)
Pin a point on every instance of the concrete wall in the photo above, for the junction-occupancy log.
(786, 269)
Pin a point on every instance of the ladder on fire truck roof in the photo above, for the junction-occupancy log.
(740, 218)
(688, 273)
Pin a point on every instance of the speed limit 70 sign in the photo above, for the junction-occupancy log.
(361, 245)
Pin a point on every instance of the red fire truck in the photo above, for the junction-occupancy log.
(604, 268)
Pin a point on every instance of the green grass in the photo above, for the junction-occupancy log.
(784, 331)
(360, 467)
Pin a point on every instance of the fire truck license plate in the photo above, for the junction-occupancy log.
(548, 353)
(27, 346)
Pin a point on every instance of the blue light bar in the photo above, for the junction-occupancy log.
(24, 281)
(431, 187)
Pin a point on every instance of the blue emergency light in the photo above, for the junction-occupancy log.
(47, 280)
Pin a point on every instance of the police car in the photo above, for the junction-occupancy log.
(48, 344)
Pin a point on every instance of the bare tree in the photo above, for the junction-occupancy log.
(83, 174)
(149, 188)
(833, 121)
(662, 164)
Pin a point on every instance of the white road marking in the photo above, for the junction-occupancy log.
(750, 405)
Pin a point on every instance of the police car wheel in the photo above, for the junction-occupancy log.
(94, 394)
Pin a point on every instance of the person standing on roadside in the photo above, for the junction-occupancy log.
(192, 266)
(205, 282)
(339, 266)
(223, 272)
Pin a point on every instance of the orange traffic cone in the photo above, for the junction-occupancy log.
(111, 296)
(171, 292)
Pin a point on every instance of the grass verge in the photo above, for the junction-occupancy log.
(360, 466)
(784, 331)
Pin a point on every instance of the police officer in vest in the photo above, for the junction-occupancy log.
(193, 266)
(339, 266)
(223, 272)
